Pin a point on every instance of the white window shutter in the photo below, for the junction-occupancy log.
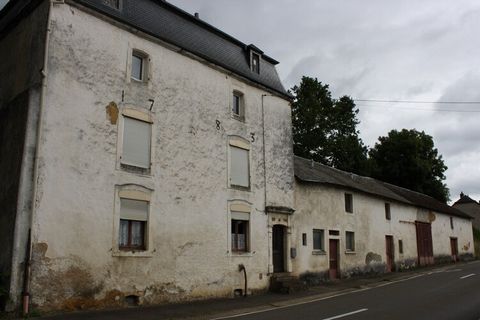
(136, 143)
(133, 210)
(239, 167)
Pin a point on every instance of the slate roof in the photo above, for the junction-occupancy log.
(313, 172)
(175, 26)
(464, 199)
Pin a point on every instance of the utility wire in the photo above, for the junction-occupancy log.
(418, 109)
(414, 101)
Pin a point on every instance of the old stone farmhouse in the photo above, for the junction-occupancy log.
(146, 157)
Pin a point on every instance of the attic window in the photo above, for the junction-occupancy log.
(115, 4)
(255, 63)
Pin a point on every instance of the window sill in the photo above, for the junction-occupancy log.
(350, 252)
(242, 254)
(137, 170)
(319, 253)
(132, 253)
(235, 187)
(238, 118)
(141, 82)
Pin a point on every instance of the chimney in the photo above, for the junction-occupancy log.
(197, 15)
(462, 194)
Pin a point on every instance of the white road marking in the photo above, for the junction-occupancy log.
(314, 300)
(346, 314)
(468, 276)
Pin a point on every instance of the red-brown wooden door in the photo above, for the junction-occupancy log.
(454, 246)
(390, 253)
(334, 271)
(424, 243)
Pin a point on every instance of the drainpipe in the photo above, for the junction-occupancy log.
(44, 72)
(241, 267)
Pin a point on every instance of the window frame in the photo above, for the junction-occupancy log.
(235, 244)
(254, 56)
(243, 144)
(322, 240)
(239, 210)
(349, 248)
(145, 66)
(137, 115)
(130, 246)
(137, 193)
(348, 199)
(241, 105)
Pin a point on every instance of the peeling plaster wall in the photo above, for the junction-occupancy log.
(323, 207)
(21, 53)
(76, 261)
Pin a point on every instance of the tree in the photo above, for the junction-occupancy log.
(409, 159)
(324, 129)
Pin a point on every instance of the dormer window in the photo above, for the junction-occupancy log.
(115, 4)
(255, 63)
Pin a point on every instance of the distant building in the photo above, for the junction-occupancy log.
(470, 207)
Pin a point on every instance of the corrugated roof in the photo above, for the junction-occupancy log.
(314, 172)
(173, 25)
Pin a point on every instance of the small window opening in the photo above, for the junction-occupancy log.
(349, 202)
(238, 108)
(132, 300)
(350, 241)
(112, 3)
(451, 223)
(239, 235)
(387, 211)
(255, 62)
(334, 232)
(400, 246)
(139, 66)
(304, 239)
(318, 240)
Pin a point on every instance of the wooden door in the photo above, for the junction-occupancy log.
(424, 243)
(390, 253)
(334, 271)
(454, 246)
(278, 248)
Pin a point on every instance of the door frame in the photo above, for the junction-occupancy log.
(390, 259)
(337, 270)
(282, 251)
(279, 218)
(454, 248)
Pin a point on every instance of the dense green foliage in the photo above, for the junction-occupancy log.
(324, 129)
(409, 159)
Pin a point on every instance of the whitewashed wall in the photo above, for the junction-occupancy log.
(323, 207)
(76, 261)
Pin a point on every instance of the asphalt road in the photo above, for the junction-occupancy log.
(449, 293)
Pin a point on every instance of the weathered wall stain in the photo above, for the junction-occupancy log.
(112, 112)
(372, 257)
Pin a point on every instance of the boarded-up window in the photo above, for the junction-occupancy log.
(239, 167)
(349, 202)
(136, 143)
(350, 241)
(387, 211)
(133, 219)
(240, 226)
(318, 240)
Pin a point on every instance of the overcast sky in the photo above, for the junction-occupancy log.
(425, 50)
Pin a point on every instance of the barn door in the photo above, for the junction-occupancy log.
(424, 243)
